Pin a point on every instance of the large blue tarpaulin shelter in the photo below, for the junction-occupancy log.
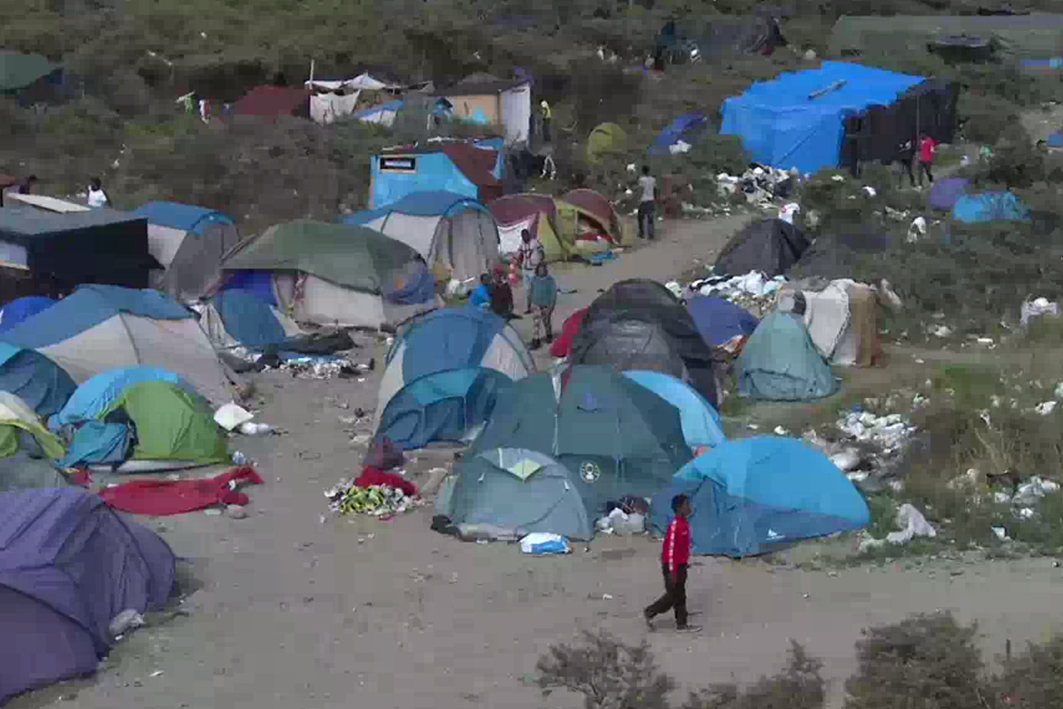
(797, 119)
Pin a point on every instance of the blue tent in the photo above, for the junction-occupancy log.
(989, 207)
(35, 379)
(674, 132)
(720, 320)
(22, 309)
(433, 203)
(701, 423)
(755, 494)
(785, 123)
(181, 216)
(443, 374)
(258, 283)
(945, 193)
(468, 170)
(1055, 140)
(248, 320)
(97, 395)
(780, 363)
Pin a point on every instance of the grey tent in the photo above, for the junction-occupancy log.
(770, 246)
(780, 363)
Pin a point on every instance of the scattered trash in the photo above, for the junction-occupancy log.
(125, 621)
(914, 524)
(837, 178)
(752, 291)
(675, 288)
(1001, 534)
(231, 415)
(544, 543)
(890, 432)
(916, 230)
(940, 331)
(212, 512)
(1037, 487)
(1038, 307)
(1026, 512)
(780, 431)
(607, 597)
(1046, 407)
(156, 673)
(239, 458)
(251, 428)
(376, 501)
(620, 522)
(236, 511)
(789, 211)
(847, 460)
(870, 191)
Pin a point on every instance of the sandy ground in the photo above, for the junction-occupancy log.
(294, 608)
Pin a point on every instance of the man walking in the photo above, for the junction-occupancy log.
(905, 155)
(531, 254)
(927, 147)
(648, 185)
(675, 556)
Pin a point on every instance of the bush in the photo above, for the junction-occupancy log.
(1033, 679)
(798, 686)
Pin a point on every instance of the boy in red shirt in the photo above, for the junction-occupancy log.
(675, 555)
(926, 158)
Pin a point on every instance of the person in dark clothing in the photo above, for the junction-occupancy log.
(502, 295)
(647, 203)
(27, 185)
(905, 155)
(675, 557)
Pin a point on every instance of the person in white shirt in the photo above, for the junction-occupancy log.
(646, 205)
(97, 197)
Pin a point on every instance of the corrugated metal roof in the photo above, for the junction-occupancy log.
(272, 101)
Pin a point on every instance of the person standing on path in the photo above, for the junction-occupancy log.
(547, 119)
(97, 197)
(647, 203)
(530, 255)
(544, 298)
(927, 147)
(675, 556)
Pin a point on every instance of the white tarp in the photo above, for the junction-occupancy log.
(326, 108)
(362, 82)
(516, 113)
(827, 316)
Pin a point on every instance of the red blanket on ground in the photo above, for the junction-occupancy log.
(374, 476)
(171, 497)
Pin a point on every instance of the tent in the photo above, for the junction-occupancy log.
(21, 73)
(1055, 140)
(535, 212)
(487, 100)
(35, 379)
(560, 446)
(99, 328)
(332, 274)
(989, 207)
(443, 375)
(780, 363)
(685, 128)
(796, 119)
(461, 168)
(639, 324)
(720, 321)
(97, 396)
(754, 495)
(841, 319)
(239, 318)
(584, 214)
(944, 193)
(189, 242)
(455, 232)
(605, 139)
(274, 102)
(333, 100)
(22, 308)
(27, 449)
(701, 424)
(68, 566)
(770, 246)
(563, 344)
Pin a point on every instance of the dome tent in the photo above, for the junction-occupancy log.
(583, 212)
(27, 449)
(21, 309)
(755, 494)
(770, 246)
(534, 212)
(780, 363)
(35, 379)
(700, 421)
(97, 396)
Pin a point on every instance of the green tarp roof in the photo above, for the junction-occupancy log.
(17, 70)
(352, 256)
(1031, 36)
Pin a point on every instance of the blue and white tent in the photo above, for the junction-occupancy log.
(238, 318)
(445, 227)
(443, 373)
(35, 379)
(701, 423)
(755, 494)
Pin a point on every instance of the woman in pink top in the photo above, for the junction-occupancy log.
(926, 158)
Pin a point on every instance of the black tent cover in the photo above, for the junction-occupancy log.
(770, 246)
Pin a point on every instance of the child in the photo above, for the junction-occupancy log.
(481, 296)
(675, 554)
(543, 298)
(502, 295)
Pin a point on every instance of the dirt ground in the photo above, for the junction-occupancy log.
(292, 607)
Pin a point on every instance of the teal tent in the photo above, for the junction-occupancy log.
(35, 379)
(780, 363)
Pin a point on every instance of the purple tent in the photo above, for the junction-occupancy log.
(944, 193)
(68, 565)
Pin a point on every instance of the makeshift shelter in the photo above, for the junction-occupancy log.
(95, 246)
(780, 363)
(99, 328)
(487, 100)
(35, 379)
(755, 495)
(383, 114)
(944, 193)
(238, 318)
(841, 319)
(446, 229)
(989, 207)
(98, 395)
(27, 449)
(22, 309)
(337, 275)
(639, 324)
(332, 100)
(189, 242)
(68, 566)
(685, 129)
(720, 321)
(585, 215)
(701, 424)
(606, 138)
(534, 212)
(274, 102)
(444, 373)
(770, 246)
(458, 168)
(560, 446)
(796, 119)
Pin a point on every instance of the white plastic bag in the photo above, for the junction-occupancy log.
(914, 523)
(231, 415)
(544, 543)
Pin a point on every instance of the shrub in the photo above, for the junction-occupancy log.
(1032, 680)
(798, 686)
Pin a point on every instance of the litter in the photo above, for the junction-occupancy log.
(376, 501)
(1046, 407)
(847, 460)
(1037, 487)
(541, 543)
(870, 191)
(916, 230)
(1038, 307)
(164, 497)
(789, 211)
(125, 621)
(1001, 534)
(675, 288)
(914, 523)
(250, 428)
(232, 415)
(620, 522)
(236, 511)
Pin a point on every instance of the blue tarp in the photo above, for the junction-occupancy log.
(780, 363)
(754, 494)
(719, 320)
(37, 380)
(22, 309)
(418, 204)
(431, 172)
(181, 216)
(701, 423)
(781, 126)
(674, 132)
(989, 207)
(944, 193)
(97, 394)
(248, 320)
(258, 283)
(1055, 140)
(89, 306)
(418, 285)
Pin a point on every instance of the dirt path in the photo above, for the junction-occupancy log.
(298, 611)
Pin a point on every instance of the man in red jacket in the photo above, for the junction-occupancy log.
(675, 555)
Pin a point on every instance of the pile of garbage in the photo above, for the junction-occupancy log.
(753, 291)
(866, 446)
(323, 368)
(760, 184)
(383, 501)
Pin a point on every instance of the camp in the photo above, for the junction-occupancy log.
(35, 379)
(189, 242)
(68, 566)
(27, 449)
(559, 447)
(770, 246)
(756, 495)
(780, 363)
(338, 275)
(98, 328)
(460, 168)
(487, 100)
(454, 232)
(639, 324)
(443, 375)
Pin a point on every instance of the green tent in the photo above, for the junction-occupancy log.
(604, 139)
(353, 256)
(17, 70)
(780, 363)
(171, 424)
(26, 448)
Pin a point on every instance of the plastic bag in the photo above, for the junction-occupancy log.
(544, 543)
